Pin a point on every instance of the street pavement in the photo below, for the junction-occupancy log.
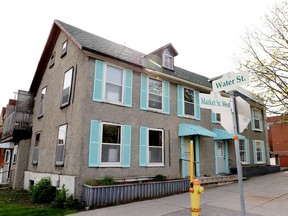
(263, 195)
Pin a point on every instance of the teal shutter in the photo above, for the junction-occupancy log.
(183, 164)
(213, 117)
(144, 92)
(216, 157)
(197, 105)
(261, 121)
(252, 120)
(254, 151)
(98, 81)
(128, 80)
(143, 146)
(126, 145)
(247, 151)
(180, 100)
(263, 152)
(94, 146)
(166, 108)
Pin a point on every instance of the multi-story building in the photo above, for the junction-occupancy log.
(16, 138)
(103, 109)
(278, 138)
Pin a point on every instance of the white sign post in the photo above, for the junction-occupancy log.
(230, 82)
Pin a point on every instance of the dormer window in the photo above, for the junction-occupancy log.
(168, 59)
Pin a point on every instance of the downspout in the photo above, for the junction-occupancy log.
(267, 148)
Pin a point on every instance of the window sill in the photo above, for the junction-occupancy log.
(40, 116)
(110, 165)
(155, 165)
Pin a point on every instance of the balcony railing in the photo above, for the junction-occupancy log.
(16, 122)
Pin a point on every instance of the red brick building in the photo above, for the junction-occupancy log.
(278, 138)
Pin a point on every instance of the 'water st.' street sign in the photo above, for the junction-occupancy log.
(230, 81)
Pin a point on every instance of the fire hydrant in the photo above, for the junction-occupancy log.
(195, 193)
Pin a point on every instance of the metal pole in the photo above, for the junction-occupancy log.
(191, 162)
(237, 151)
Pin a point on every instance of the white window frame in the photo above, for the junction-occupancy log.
(111, 164)
(261, 152)
(168, 59)
(105, 85)
(162, 97)
(42, 102)
(7, 156)
(257, 111)
(244, 151)
(65, 83)
(186, 115)
(148, 148)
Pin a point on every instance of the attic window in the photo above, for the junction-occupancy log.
(168, 60)
(52, 60)
(64, 48)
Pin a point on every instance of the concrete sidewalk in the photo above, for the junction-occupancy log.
(264, 195)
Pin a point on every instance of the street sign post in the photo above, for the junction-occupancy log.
(240, 117)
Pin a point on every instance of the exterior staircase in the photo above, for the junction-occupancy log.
(4, 186)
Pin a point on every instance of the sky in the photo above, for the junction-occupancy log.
(205, 33)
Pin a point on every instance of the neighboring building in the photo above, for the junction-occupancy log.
(278, 139)
(16, 138)
(103, 109)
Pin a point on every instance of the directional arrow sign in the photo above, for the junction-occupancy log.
(244, 113)
(230, 81)
(215, 102)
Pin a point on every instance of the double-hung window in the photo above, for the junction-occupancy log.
(189, 104)
(151, 147)
(36, 149)
(155, 146)
(67, 86)
(42, 101)
(243, 151)
(111, 144)
(60, 147)
(114, 84)
(155, 94)
(168, 59)
(256, 121)
(259, 151)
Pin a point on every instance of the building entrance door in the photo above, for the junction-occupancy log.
(221, 157)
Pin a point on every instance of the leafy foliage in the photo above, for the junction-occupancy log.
(107, 180)
(43, 192)
(265, 57)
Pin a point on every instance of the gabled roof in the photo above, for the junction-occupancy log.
(95, 44)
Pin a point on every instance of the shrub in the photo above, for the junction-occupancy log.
(43, 192)
(160, 177)
(107, 180)
(60, 198)
(63, 201)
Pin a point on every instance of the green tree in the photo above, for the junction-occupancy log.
(266, 59)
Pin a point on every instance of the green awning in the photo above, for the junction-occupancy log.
(224, 135)
(190, 129)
